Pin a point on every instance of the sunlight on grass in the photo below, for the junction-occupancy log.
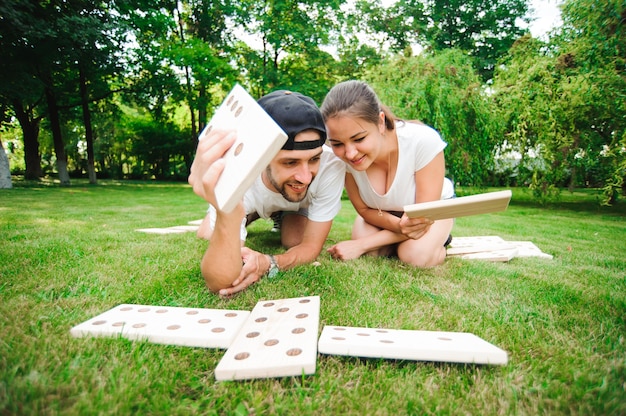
(68, 254)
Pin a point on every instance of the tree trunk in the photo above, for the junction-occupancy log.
(57, 137)
(30, 131)
(5, 170)
(91, 169)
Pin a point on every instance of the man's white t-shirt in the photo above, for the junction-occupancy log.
(418, 144)
(321, 203)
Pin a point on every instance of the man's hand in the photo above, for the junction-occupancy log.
(414, 228)
(208, 164)
(255, 265)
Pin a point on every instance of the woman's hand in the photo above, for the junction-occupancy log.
(414, 228)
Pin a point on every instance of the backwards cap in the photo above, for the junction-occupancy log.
(294, 113)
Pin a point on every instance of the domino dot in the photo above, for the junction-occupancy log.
(305, 300)
(242, 356)
(339, 338)
(99, 322)
(192, 313)
(268, 304)
(252, 334)
(339, 329)
(139, 325)
(363, 334)
(173, 327)
(294, 351)
(261, 319)
(282, 309)
(386, 341)
(126, 308)
(271, 342)
(119, 324)
(235, 104)
(161, 311)
(445, 338)
(239, 110)
(218, 330)
(297, 330)
(204, 321)
(144, 310)
(302, 315)
(382, 331)
(230, 100)
(230, 315)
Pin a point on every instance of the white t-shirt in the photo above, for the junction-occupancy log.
(321, 203)
(418, 145)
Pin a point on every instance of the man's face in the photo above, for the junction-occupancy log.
(291, 172)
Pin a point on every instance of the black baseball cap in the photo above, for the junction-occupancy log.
(294, 113)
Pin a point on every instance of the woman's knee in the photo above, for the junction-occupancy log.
(424, 258)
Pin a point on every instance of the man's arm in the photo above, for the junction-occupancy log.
(221, 263)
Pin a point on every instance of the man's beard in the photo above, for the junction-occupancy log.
(283, 189)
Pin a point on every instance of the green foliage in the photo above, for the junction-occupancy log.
(564, 103)
(445, 92)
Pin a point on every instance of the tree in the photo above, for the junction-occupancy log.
(5, 170)
(485, 29)
(285, 27)
(566, 101)
(594, 39)
(54, 47)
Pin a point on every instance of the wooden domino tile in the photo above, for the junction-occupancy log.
(460, 207)
(278, 339)
(259, 139)
(455, 347)
(191, 327)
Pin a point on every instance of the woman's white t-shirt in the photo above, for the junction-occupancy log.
(418, 145)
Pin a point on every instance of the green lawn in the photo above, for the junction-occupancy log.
(68, 254)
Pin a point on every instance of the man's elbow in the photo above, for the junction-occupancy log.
(215, 282)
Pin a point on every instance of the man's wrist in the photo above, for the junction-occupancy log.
(273, 269)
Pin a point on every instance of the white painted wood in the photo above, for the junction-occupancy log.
(278, 339)
(259, 139)
(496, 255)
(191, 327)
(455, 347)
(469, 247)
(529, 249)
(460, 207)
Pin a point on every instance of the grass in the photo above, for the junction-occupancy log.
(68, 254)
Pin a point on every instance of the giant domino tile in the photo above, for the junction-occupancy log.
(259, 139)
(190, 327)
(279, 337)
(460, 207)
(455, 347)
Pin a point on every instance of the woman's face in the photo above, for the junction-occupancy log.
(355, 141)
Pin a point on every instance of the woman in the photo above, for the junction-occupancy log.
(390, 163)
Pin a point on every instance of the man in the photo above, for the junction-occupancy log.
(301, 187)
